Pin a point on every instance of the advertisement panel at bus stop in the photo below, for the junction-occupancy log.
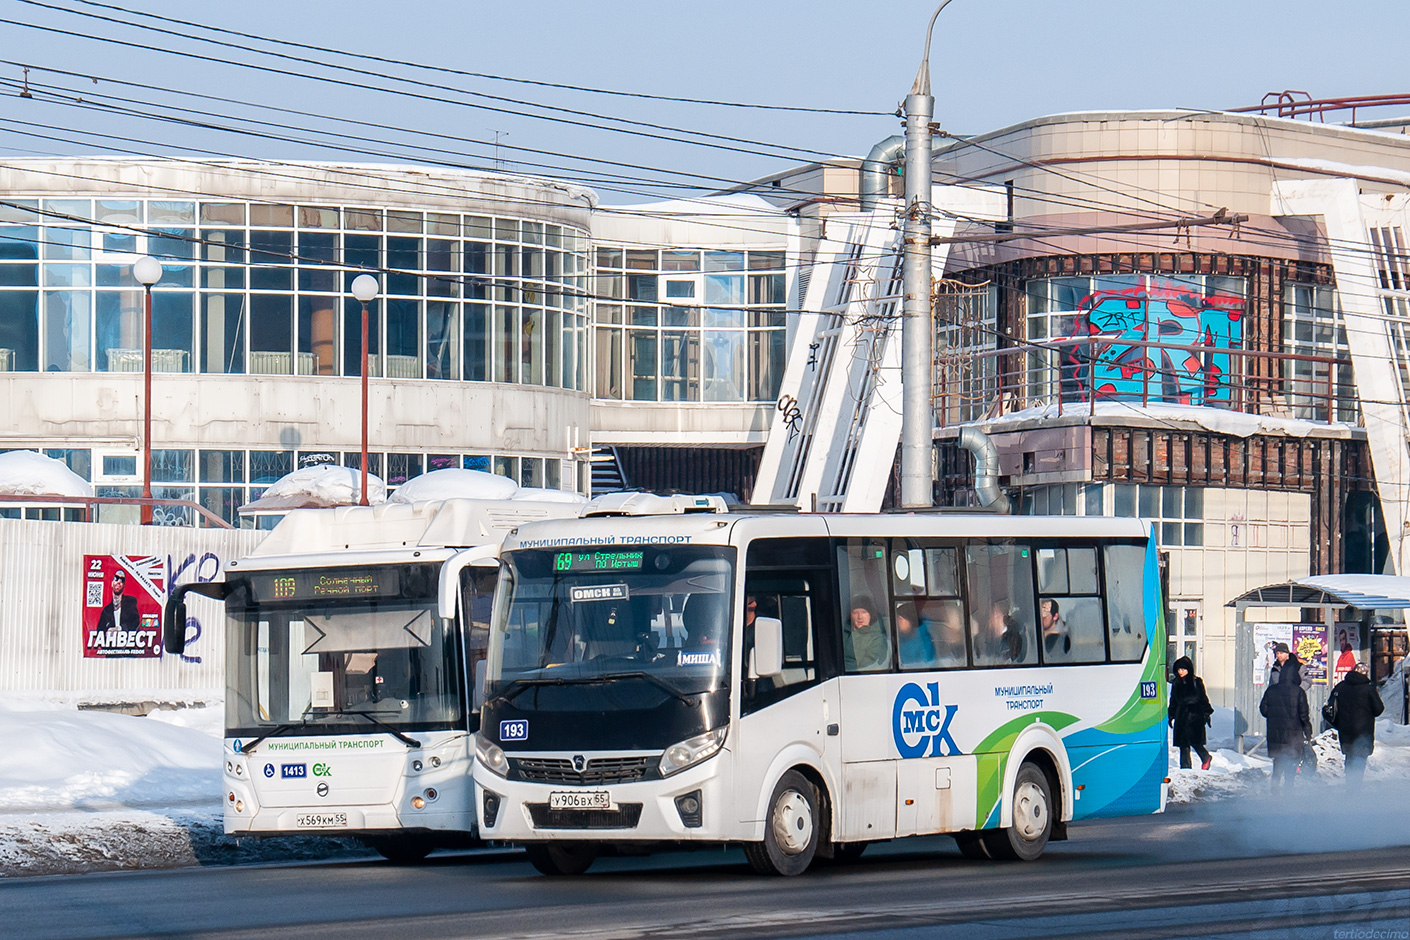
(122, 603)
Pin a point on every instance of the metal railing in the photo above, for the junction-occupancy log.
(88, 502)
(1062, 373)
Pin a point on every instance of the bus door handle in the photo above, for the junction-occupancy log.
(833, 730)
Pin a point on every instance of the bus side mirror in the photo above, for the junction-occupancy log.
(768, 647)
(174, 628)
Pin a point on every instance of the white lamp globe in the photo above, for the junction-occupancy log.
(365, 287)
(147, 270)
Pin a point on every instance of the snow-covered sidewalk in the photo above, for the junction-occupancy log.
(89, 790)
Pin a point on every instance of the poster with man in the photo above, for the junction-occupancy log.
(1348, 649)
(1310, 646)
(122, 603)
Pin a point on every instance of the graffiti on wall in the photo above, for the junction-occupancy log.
(1118, 363)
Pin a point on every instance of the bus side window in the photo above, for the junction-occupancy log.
(1070, 623)
(787, 600)
(1003, 623)
(476, 597)
(867, 639)
(1125, 604)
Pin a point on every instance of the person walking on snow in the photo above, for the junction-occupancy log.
(1352, 709)
(1189, 713)
(1285, 706)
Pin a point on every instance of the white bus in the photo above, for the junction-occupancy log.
(662, 671)
(347, 710)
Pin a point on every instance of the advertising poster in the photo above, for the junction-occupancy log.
(1265, 637)
(1347, 649)
(1310, 645)
(122, 603)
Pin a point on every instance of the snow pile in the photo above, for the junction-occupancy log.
(318, 487)
(30, 473)
(89, 790)
(454, 483)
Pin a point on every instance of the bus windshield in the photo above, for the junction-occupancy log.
(594, 616)
(341, 650)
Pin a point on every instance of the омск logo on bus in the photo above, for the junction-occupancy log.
(920, 724)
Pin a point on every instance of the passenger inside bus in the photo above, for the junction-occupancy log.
(866, 646)
(1001, 640)
(913, 643)
(944, 621)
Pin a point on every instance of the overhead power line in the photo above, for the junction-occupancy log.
(676, 99)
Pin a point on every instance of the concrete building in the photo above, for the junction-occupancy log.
(1241, 383)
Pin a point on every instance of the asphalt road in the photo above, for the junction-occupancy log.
(1322, 866)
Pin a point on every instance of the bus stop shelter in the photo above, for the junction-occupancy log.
(1338, 625)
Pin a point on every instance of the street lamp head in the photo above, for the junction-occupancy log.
(147, 270)
(365, 287)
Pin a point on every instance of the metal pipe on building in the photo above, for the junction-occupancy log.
(875, 182)
(986, 469)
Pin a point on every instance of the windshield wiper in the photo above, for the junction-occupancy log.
(519, 685)
(280, 729)
(404, 739)
(642, 674)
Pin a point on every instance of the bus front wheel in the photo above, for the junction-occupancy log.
(400, 850)
(562, 858)
(1032, 819)
(790, 831)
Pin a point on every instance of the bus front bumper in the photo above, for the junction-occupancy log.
(688, 806)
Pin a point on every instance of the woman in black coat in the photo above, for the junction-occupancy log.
(1285, 706)
(1189, 712)
(1355, 704)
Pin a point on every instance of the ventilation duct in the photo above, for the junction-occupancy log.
(986, 469)
(876, 171)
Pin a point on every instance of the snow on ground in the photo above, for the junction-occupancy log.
(85, 790)
(90, 790)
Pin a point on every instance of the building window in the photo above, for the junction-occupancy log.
(693, 325)
(1312, 326)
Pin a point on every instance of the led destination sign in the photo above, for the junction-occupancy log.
(331, 584)
(597, 561)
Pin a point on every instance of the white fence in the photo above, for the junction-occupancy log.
(42, 582)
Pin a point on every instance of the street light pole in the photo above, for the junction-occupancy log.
(148, 271)
(917, 337)
(364, 288)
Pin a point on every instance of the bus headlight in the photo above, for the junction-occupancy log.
(692, 751)
(491, 755)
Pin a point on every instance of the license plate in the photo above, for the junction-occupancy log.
(580, 799)
(321, 820)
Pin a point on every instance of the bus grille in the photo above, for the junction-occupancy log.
(625, 816)
(599, 771)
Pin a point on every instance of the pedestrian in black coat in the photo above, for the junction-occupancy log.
(1285, 707)
(1189, 713)
(1355, 703)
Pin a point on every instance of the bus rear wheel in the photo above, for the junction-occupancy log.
(1032, 819)
(562, 858)
(790, 830)
(971, 844)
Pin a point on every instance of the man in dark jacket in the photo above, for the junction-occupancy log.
(1285, 706)
(1354, 705)
(1189, 712)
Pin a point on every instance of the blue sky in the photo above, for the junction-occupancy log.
(994, 63)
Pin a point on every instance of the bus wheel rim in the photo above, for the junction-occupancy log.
(1030, 811)
(793, 822)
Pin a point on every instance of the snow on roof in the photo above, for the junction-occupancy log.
(318, 488)
(1217, 420)
(30, 473)
(454, 483)
(1362, 591)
